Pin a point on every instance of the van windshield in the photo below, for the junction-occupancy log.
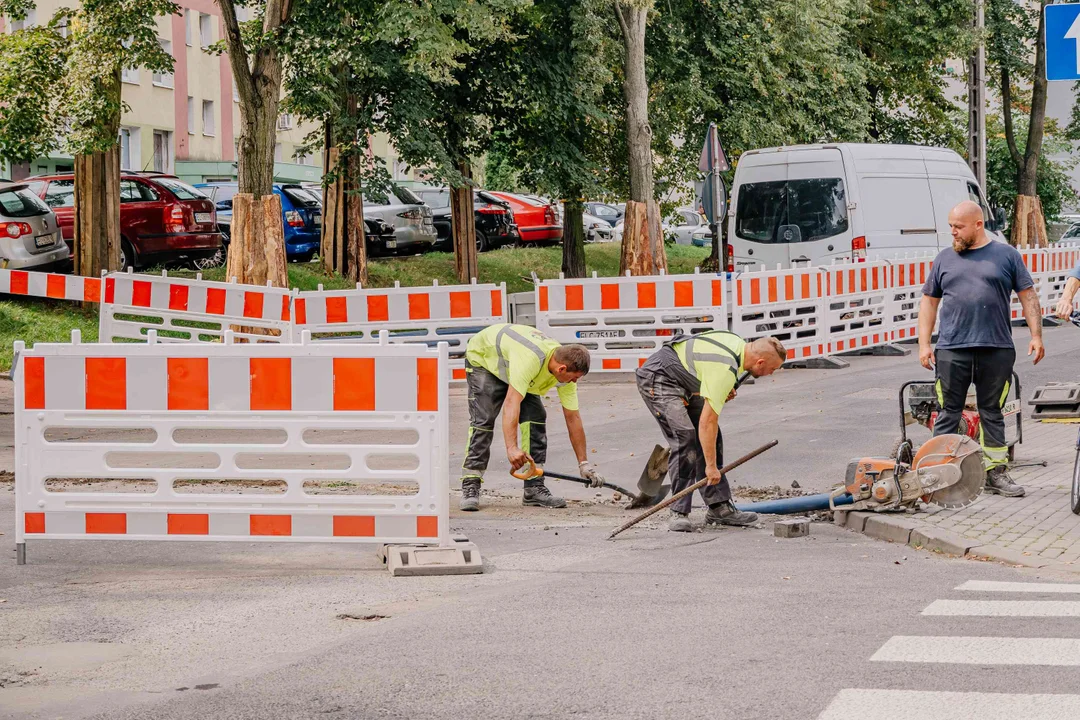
(818, 206)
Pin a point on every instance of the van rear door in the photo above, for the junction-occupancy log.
(790, 208)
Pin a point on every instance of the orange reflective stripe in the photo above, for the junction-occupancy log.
(419, 306)
(20, 283)
(285, 308)
(106, 523)
(427, 526)
(56, 286)
(215, 301)
(253, 304)
(34, 522)
(684, 293)
(427, 385)
(574, 297)
(188, 383)
(34, 383)
(460, 304)
(110, 290)
(496, 302)
(609, 297)
(301, 311)
(717, 296)
(91, 290)
(271, 383)
(755, 291)
(354, 383)
(280, 525)
(378, 308)
(611, 364)
(106, 383)
(188, 524)
(646, 295)
(178, 297)
(354, 526)
(140, 293)
(543, 298)
(772, 289)
(337, 310)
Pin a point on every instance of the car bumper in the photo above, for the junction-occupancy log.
(19, 259)
(408, 236)
(177, 245)
(302, 248)
(535, 234)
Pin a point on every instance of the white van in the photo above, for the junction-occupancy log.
(819, 203)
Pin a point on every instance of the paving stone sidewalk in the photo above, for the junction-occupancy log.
(1037, 530)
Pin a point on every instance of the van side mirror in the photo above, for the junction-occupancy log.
(999, 218)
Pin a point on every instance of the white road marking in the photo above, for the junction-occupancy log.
(980, 650)
(1005, 608)
(924, 705)
(1019, 587)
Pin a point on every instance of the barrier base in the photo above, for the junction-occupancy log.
(20, 553)
(819, 363)
(887, 350)
(459, 558)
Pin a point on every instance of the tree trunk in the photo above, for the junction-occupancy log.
(252, 261)
(1029, 225)
(342, 248)
(713, 263)
(633, 20)
(97, 212)
(463, 227)
(637, 257)
(573, 255)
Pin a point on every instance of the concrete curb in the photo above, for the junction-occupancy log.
(897, 529)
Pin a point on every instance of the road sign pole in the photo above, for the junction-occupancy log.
(977, 102)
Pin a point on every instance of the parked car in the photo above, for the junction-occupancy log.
(608, 213)
(537, 221)
(596, 230)
(30, 236)
(1072, 233)
(379, 236)
(411, 219)
(301, 210)
(685, 226)
(162, 219)
(493, 218)
(820, 203)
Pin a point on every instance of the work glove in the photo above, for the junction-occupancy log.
(588, 471)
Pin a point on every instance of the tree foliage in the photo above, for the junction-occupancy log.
(1054, 186)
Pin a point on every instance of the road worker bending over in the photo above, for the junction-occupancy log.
(685, 385)
(511, 368)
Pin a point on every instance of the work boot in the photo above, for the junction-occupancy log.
(470, 494)
(998, 482)
(728, 514)
(536, 493)
(679, 522)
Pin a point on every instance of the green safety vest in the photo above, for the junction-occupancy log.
(518, 355)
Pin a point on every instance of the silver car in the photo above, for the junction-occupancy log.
(407, 214)
(29, 234)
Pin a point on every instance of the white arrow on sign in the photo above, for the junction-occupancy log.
(1074, 34)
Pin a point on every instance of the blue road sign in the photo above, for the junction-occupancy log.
(1063, 42)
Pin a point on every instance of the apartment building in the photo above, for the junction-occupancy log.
(184, 122)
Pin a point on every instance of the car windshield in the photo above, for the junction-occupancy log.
(1072, 232)
(19, 202)
(180, 189)
(300, 196)
(818, 206)
(436, 199)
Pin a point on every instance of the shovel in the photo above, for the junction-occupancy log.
(650, 487)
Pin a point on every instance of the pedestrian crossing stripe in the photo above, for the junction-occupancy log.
(1019, 587)
(928, 705)
(1004, 608)
(980, 650)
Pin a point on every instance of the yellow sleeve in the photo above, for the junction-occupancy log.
(716, 385)
(568, 395)
(523, 371)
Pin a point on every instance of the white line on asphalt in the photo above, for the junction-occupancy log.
(1019, 587)
(1005, 608)
(980, 650)
(923, 705)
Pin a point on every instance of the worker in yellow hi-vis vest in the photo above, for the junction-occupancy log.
(510, 368)
(685, 384)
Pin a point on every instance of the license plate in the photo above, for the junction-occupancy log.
(45, 240)
(391, 243)
(1011, 408)
(317, 219)
(600, 333)
(203, 218)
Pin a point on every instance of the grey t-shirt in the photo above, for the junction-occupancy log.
(975, 287)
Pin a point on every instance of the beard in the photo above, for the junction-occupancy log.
(960, 244)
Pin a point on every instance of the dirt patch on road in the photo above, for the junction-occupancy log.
(771, 492)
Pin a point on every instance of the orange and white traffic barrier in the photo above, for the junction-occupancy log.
(428, 315)
(193, 428)
(1035, 260)
(787, 304)
(183, 310)
(856, 308)
(1060, 261)
(623, 319)
(906, 279)
(50, 285)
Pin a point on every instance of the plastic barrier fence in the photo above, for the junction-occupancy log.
(623, 320)
(1035, 261)
(244, 442)
(856, 306)
(906, 280)
(1060, 260)
(50, 285)
(439, 313)
(198, 310)
(788, 304)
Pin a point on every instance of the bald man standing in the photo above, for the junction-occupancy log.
(973, 282)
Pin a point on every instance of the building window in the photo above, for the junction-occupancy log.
(206, 31)
(130, 75)
(164, 79)
(277, 152)
(64, 26)
(304, 159)
(26, 23)
(190, 115)
(285, 121)
(187, 27)
(125, 148)
(162, 151)
(208, 127)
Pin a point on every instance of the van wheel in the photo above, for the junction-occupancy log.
(127, 255)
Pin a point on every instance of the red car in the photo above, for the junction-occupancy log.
(162, 220)
(536, 220)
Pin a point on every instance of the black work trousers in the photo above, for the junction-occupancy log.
(486, 396)
(990, 369)
(679, 416)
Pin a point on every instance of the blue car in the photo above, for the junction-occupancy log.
(301, 211)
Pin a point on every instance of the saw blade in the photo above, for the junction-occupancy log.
(965, 491)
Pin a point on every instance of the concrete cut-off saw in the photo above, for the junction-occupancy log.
(947, 471)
